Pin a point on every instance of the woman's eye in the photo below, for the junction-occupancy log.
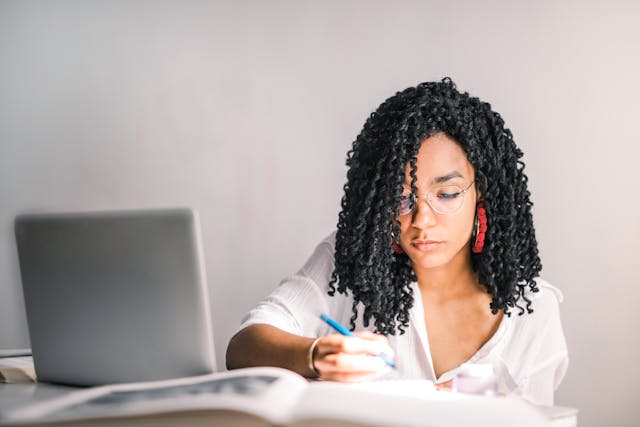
(448, 196)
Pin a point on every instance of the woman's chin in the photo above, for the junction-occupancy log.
(427, 260)
(439, 256)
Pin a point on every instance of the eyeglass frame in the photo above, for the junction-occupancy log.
(429, 200)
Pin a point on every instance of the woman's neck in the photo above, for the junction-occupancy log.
(453, 280)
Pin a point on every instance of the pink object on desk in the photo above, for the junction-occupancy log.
(476, 379)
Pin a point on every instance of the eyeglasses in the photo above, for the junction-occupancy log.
(444, 200)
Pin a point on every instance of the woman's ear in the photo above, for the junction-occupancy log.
(479, 194)
(480, 186)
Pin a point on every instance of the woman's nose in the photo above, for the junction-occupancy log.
(423, 214)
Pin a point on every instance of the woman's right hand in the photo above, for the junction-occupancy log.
(348, 359)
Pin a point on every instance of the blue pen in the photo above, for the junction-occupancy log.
(344, 331)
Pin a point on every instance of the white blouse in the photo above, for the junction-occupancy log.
(528, 352)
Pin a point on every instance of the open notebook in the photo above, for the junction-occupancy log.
(276, 397)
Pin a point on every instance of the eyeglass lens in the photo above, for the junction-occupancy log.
(445, 200)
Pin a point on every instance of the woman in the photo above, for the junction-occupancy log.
(434, 253)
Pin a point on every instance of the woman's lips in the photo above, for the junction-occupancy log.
(425, 245)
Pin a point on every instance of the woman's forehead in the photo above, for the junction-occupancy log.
(441, 159)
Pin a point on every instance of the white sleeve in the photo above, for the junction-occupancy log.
(551, 363)
(295, 305)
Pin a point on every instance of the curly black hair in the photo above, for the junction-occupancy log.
(365, 263)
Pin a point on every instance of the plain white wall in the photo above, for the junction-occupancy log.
(245, 110)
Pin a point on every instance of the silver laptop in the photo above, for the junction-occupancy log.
(115, 296)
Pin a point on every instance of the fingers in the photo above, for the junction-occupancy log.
(345, 362)
(350, 367)
(352, 376)
(446, 386)
(341, 358)
(364, 344)
(380, 339)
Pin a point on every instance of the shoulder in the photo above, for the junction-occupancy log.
(534, 338)
(548, 290)
(535, 351)
(320, 264)
(546, 312)
(546, 300)
(295, 304)
(329, 242)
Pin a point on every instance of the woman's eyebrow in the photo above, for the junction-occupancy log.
(447, 177)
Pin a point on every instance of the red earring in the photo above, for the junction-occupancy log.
(396, 247)
(480, 229)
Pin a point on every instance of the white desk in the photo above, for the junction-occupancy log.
(17, 395)
(23, 393)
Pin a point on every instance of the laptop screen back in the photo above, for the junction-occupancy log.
(115, 296)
